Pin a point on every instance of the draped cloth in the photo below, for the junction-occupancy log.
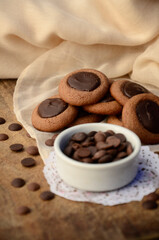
(42, 41)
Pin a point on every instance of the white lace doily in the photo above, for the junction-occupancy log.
(146, 181)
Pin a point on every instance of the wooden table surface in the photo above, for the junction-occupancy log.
(57, 219)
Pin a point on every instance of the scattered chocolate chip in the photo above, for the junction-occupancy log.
(32, 150)
(2, 120)
(28, 162)
(152, 196)
(15, 127)
(55, 136)
(3, 137)
(18, 182)
(47, 195)
(33, 186)
(23, 210)
(49, 142)
(17, 147)
(149, 204)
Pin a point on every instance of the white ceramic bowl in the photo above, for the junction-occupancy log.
(96, 177)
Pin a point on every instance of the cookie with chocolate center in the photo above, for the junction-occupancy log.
(84, 86)
(122, 90)
(107, 106)
(141, 115)
(53, 114)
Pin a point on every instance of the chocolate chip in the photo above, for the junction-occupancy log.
(2, 120)
(149, 204)
(110, 132)
(32, 150)
(18, 182)
(152, 196)
(17, 147)
(49, 142)
(92, 133)
(3, 137)
(105, 159)
(15, 127)
(120, 155)
(75, 145)
(76, 157)
(99, 154)
(99, 137)
(129, 149)
(33, 186)
(23, 210)
(103, 145)
(87, 160)
(112, 152)
(92, 149)
(79, 137)
(87, 142)
(47, 195)
(83, 152)
(55, 136)
(120, 136)
(28, 162)
(68, 151)
(113, 140)
(122, 146)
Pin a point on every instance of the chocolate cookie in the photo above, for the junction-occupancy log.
(53, 114)
(123, 90)
(85, 117)
(141, 115)
(84, 86)
(107, 106)
(114, 119)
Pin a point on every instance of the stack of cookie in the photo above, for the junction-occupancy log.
(87, 95)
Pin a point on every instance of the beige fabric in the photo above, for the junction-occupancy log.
(41, 41)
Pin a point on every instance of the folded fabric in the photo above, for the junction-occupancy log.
(41, 41)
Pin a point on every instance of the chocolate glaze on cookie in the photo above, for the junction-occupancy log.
(131, 89)
(148, 114)
(51, 107)
(84, 81)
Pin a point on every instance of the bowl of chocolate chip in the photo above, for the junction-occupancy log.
(97, 156)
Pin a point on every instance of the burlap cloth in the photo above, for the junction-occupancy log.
(41, 41)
